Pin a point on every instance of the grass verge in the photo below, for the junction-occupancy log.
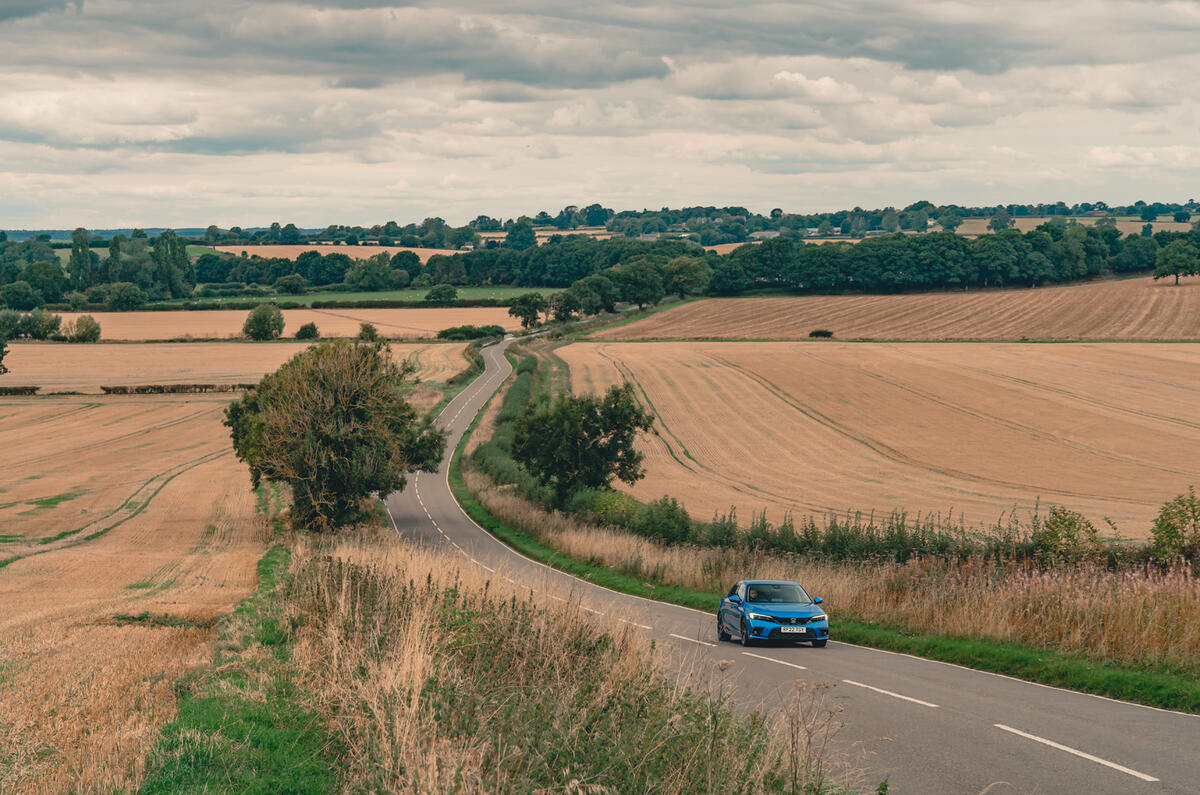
(244, 726)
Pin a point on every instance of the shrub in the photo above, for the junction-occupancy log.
(265, 322)
(97, 294)
(38, 324)
(20, 295)
(83, 329)
(820, 332)
(1065, 536)
(292, 284)
(664, 520)
(399, 279)
(368, 332)
(308, 332)
(125, 296)
(10, 321)
(75, 300)
(441, 294)
(1176, 531)
(470, 332)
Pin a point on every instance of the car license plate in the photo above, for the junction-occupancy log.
(797, 630)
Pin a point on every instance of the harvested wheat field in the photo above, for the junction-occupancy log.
(969, 431)
(973, 227)
(112, 507)
(354, 252)
(1135, 309)
(62, 367)
(222, 324)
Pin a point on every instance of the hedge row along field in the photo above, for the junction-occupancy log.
(61, 368)
(967, 431)
(226, 324)
(1139, 309)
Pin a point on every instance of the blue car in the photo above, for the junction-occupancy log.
(771, 610)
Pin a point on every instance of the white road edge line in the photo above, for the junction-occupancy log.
(890, 693)
(1078, 753)
(692, 640)
(772, 659)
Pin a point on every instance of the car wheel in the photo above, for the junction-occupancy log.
(721, 633)
(745, 634)
(820, 644)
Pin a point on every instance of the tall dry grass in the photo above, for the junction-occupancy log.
(439, 679)
(1131, 617)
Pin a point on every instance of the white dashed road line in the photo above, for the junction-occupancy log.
(772, 659)
(692, 640)
(1078, 753)
(890, 693)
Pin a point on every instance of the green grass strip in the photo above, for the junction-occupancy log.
(1164, 689)
(232, 736)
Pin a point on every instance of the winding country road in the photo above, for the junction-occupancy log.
(925, 726)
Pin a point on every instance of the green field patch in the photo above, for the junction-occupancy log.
(50, 502)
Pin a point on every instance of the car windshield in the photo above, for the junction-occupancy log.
(776, 593)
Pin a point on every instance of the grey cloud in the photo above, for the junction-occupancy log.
(16, 9)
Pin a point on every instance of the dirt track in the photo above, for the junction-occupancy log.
(971, 429)
(1140, 309)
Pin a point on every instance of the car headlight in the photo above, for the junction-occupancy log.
(819, 617)
(759, 617)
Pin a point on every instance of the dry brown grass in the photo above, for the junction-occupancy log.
(386, 629)
(1135, 309)
(81, 696)
(220, 324)
(1127, 617)
(965, 431)
(84, 368)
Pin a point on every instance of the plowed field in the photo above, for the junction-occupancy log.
(1138, 309)
(970, 430)
(227, 323)
(57, 367)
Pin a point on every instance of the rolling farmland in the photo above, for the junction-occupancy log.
(970, 431)
(227, 323)
(84, 368)
(354, 252)
(1138, 309)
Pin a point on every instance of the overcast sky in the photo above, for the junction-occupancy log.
(191, 112)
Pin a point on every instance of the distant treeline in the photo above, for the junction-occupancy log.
(599, 273)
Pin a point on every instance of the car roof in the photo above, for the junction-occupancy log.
(771, 582)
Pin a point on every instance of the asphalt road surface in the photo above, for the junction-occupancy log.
(923, 725)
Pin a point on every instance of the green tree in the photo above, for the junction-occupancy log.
(124, 296)
(441, 294)
(1177, 258)
(370, 274)
(367, 332)
(686, 276)
(890, 221)
(527, 307)
(20, 295)
(83, 329)
(308, 331)
(3, 353)
(1176, 531)
(47, 279)
(292, 284)
(564, 305)
(582, 442)
(521, 236)
(38, 324)
(265, 322)
(1000, 221)
(332, 423)
(79, 266)
(640, 283)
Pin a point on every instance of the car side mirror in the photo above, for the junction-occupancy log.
(735, 600)
(817, 600)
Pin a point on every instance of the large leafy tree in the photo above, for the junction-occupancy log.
(527, 307)
(1177, 258)
(332, 423)
(582, 442)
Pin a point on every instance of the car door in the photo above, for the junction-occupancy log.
(730, 617)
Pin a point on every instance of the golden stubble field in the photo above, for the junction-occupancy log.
(1140, 309)
(62, 367)
(968, 430)
(354, 252)
(222, 324)
(113, 507)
